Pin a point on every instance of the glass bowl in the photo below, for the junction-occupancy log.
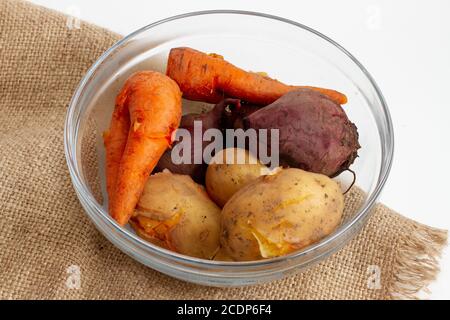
(286, 50)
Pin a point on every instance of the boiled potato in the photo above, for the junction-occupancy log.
(176, 213)
(230, 170)
(221, 255)
(277, 214)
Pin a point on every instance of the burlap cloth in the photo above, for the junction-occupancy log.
(44, 231)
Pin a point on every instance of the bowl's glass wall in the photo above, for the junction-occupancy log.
(285, 51)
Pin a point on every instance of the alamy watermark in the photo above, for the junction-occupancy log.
(374, 277)
(74, 17)
(198, 146)
(73, 280)
(374, 17)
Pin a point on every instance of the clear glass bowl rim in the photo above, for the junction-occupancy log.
(84, 194)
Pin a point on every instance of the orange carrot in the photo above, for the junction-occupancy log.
(115, 140)
(152, 103)
(210, 78)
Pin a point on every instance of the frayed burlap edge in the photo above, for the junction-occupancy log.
(417, 262)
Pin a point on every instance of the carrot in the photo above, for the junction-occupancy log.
(210, 78)
(115, 140)
(148, 110)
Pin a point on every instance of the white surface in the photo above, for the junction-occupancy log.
(404, 44)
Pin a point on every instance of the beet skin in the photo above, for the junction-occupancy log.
(315, 133)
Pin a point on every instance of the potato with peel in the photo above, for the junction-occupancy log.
(221, 255)
(281, 213)
(176, 213)
(230, 170)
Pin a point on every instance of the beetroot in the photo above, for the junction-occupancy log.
(235, 111)
(315, 133)
(211, 119)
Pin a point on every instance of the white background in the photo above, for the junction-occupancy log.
(404, 44)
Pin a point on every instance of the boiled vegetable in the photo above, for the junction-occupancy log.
(315, 134)
(176, 213)
(147, 111)
(277, 214)
(210, 120)
(210, 78)
(230, 170)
